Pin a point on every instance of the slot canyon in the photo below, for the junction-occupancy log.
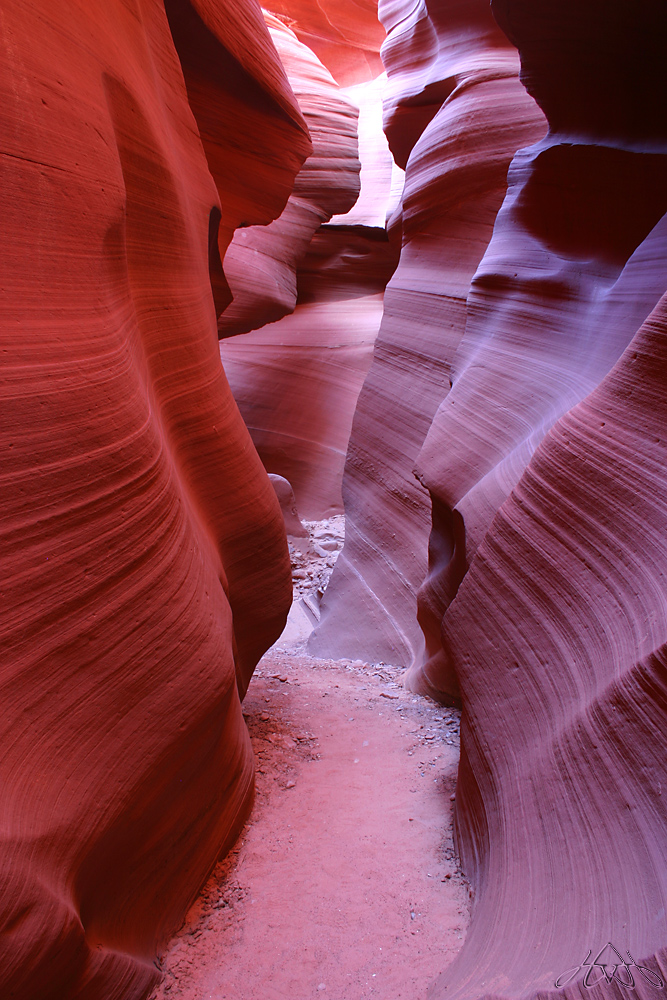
(333, 500)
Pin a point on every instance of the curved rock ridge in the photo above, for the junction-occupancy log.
(597, 90)
(145, 566)
(456, 152)
(381, 180)
(248, 120)
(345, 34)
(577, 261)
(546, 463)
(297, 380)
(560, 808)
(261, 261)
(552, 306)
(296, 383)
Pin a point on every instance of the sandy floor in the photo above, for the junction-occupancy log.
(344, 884)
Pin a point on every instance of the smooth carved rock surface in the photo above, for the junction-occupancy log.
(577, 262)
(456, 152)
(560, 801)
(297, 380)
(546, 463)
(296, 383)
(145, 567)
(345, 34)
(381, 180)
(245, 113)
(261, 261)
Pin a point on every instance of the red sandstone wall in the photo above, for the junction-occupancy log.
(560, 813)
(345, 34)
(296, 383)
(145, 567)
(546, 463)
(296, 380)
(261, 261)
(454, 115)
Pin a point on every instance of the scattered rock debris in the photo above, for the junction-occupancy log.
(314, 558)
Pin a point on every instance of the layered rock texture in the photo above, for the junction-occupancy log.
(546, 463)
(577, 262)
(261, 261)
(297, 380)
(520, 370)
(558, 640)
(455, 115)
(345, 34)
(145, 563)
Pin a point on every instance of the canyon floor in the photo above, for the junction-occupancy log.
(344, 884)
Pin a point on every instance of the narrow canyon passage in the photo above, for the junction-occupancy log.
(397, 268)
(344, 883)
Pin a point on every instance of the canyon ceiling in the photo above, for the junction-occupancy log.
(428, 239)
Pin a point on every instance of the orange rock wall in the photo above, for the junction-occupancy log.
(296, 383)
(145, 567)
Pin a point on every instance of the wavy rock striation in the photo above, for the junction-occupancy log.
(297, 380)
(245, 114)
(344, 34)
(145, 567)
(560, 809)
(261, 261)
(577, 262)
(455, 115)
(546, 463)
